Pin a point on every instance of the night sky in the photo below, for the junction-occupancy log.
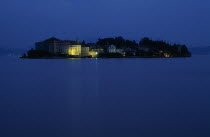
(24, 22)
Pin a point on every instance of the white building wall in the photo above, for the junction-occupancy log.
(112, 49)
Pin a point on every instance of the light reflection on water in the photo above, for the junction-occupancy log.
(105, 97)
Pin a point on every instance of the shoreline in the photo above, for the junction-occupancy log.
(104, 57)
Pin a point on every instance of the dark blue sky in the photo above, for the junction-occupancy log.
(24, 22)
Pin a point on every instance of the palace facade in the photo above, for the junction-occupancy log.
(66, 47)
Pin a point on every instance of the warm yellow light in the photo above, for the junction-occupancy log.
(166, 55)
(93, 54)
(75, 50)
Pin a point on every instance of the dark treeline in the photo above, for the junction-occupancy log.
(119, 42)
(37, 54)
(172, 49)
(146, 47)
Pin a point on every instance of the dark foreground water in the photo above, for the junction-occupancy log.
(105, 97)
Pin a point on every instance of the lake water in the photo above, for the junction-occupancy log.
(105, 97)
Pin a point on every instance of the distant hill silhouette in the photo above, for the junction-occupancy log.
(15, 52)
(200, 50)
(3, 51)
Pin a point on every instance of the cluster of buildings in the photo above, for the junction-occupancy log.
(73, 48)
(54, 47)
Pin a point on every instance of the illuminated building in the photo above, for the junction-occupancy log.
(78, 50)
(65, 47)
(85, 51)
(55, 46)
(75, 50)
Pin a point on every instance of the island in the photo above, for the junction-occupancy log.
(117, 47)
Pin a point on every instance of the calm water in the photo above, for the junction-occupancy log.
(105, 97)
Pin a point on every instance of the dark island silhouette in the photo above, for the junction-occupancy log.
(117, 47)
